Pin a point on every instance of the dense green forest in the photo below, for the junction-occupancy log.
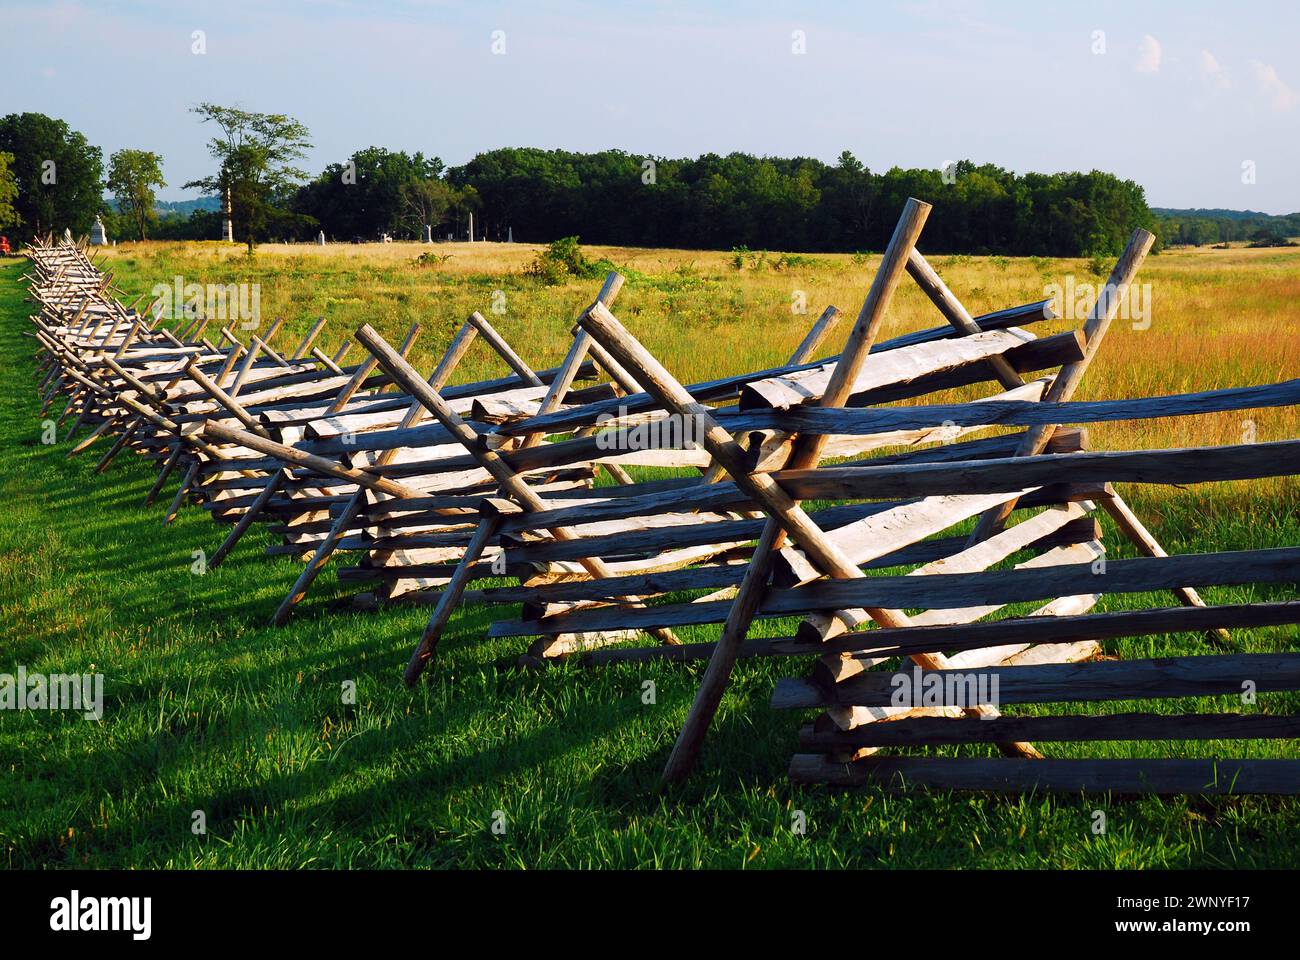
(609, 197)
(711, 202)
(794, 204)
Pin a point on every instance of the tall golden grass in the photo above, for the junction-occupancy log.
(1218, 318)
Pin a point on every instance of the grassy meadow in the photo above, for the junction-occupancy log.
(208, 709)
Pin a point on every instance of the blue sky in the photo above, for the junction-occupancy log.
(1178, 96)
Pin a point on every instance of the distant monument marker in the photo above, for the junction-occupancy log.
(228, 228)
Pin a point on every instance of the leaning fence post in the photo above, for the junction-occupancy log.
(1063, 387)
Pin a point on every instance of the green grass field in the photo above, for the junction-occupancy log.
(207, 709)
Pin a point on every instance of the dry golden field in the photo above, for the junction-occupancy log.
(1218, 318)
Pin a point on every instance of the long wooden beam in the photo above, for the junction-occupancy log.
(566, 420)
(1198, 676)
(934, 731)
(1161, 777)
(1136, 575)
(1067, 629)
(1187, 465)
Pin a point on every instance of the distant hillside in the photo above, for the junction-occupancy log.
(1215, 213)
(1199, 226)
(175, 208)
(185, 207)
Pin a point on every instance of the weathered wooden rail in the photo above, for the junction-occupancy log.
(800, 492)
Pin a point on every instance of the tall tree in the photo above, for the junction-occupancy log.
(132, 177)
(427, 202)
(8, 191)
(255, 154)
(58, 173)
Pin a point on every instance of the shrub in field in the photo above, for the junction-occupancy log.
(787, 260)
(563, 260)
(431, 259)
(742, 256)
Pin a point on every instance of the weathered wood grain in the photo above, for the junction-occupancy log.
(934, 731)
(1053, 682)
(1012, 775)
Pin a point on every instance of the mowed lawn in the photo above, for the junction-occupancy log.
(208, 709)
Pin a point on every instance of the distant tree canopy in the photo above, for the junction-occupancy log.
(132, 177)
(377, 191)
(1201, 227)
(52, 178)
(58, 174)
(711, 202)
(721, 202)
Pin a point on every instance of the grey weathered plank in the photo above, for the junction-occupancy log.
(725, 494)
(1178, 466)
(711, 390)
(884, 642)
(914, 364)
(1053, 682)
(1015, 775)
(715, 576)
(956, 590)
(861, 422)
(934, 731)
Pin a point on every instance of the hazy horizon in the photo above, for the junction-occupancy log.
(1182, 98)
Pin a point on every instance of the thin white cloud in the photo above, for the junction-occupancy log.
(1212, 72)
(1148, 60)
(1272, 88)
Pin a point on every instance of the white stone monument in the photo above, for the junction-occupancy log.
(471, 228)
(428, 234)
(228, 228)
(320, 239)
(98, 235)
(510, 234)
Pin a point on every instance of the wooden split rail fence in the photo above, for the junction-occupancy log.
(805, 491)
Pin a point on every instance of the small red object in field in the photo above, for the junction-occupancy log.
(4, 246)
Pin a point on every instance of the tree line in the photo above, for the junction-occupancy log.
(719, 202)
(1200, 227)
(607, 197)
